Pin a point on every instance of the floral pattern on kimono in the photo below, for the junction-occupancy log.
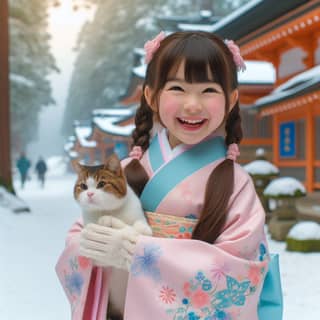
(189, 279)
(181, 278)
(84, 285)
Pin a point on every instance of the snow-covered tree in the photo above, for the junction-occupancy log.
(30, 64)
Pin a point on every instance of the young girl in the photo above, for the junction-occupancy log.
(207, 258)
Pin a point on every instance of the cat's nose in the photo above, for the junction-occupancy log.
(90, 194)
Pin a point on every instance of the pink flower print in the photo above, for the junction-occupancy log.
(200, 299)
(186, 289)
(167, 295)
(219, 271)
(83, 262)
(254, 274)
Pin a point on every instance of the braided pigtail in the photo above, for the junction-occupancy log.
(144, 124)
(136, 175)
(219, 187)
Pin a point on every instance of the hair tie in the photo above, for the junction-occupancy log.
(237, 58)
(136, 153)
(233, 151)
(152, 46)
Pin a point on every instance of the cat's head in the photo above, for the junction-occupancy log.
(101, 187)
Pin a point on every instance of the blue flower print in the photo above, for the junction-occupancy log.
(146, 264)
(263, 251)
(200, 276)
(185, 301)
(193, 316)
(220, 315)
(234, 294)
(74, 282)
(206, 285)
(191, 216)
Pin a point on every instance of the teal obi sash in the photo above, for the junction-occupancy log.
(168, 175)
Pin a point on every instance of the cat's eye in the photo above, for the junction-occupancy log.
(83, 186)
(101, 184)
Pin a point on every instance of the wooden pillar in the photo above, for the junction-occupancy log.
(310, 148)
(5, 162)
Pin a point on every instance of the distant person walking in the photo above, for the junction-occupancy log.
(41, 169)
(23, 164)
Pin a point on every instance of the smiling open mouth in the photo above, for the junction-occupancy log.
(191, 124)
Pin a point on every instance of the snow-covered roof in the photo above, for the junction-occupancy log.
(68, 146)
(139, 51)
(256, 72)
(73, 154)
(140, 71)
(115, 112)
(107, 119)
(108, 125)
(82, 133)
(247, 19)
(292, 87)
(305, 230)
(231, 17)
(261, 168)
(284, 187)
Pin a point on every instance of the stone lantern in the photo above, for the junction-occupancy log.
(262, 172)
(284, 191)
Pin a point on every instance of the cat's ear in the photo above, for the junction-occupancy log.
(76, 166)
(113, 164)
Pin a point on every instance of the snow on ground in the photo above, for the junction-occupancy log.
(30, 244)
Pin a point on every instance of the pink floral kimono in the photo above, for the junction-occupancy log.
(173, 277)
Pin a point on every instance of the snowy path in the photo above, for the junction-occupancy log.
(30, 244)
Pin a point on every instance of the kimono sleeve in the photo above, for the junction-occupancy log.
(191, 279)
(80, 279)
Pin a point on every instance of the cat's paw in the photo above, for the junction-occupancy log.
(111, 222)
(143, 228)
(105, 221)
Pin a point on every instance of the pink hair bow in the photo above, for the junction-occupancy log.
(136, 153)
(152, 46)
(237, 58)
(233, 151)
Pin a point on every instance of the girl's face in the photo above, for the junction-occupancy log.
(191, 111)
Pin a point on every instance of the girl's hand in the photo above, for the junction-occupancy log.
(110, 243)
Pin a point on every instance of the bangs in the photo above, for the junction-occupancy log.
(202, 63)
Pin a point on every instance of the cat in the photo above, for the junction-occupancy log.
(103, 190)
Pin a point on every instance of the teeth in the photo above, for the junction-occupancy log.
(192, 121)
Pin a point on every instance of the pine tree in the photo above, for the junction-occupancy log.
(30, 64)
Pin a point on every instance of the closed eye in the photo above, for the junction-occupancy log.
(176, 88)
(210, 90)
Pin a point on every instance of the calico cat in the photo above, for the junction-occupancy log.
(103, 190)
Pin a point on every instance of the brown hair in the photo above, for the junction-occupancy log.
(199, 50)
